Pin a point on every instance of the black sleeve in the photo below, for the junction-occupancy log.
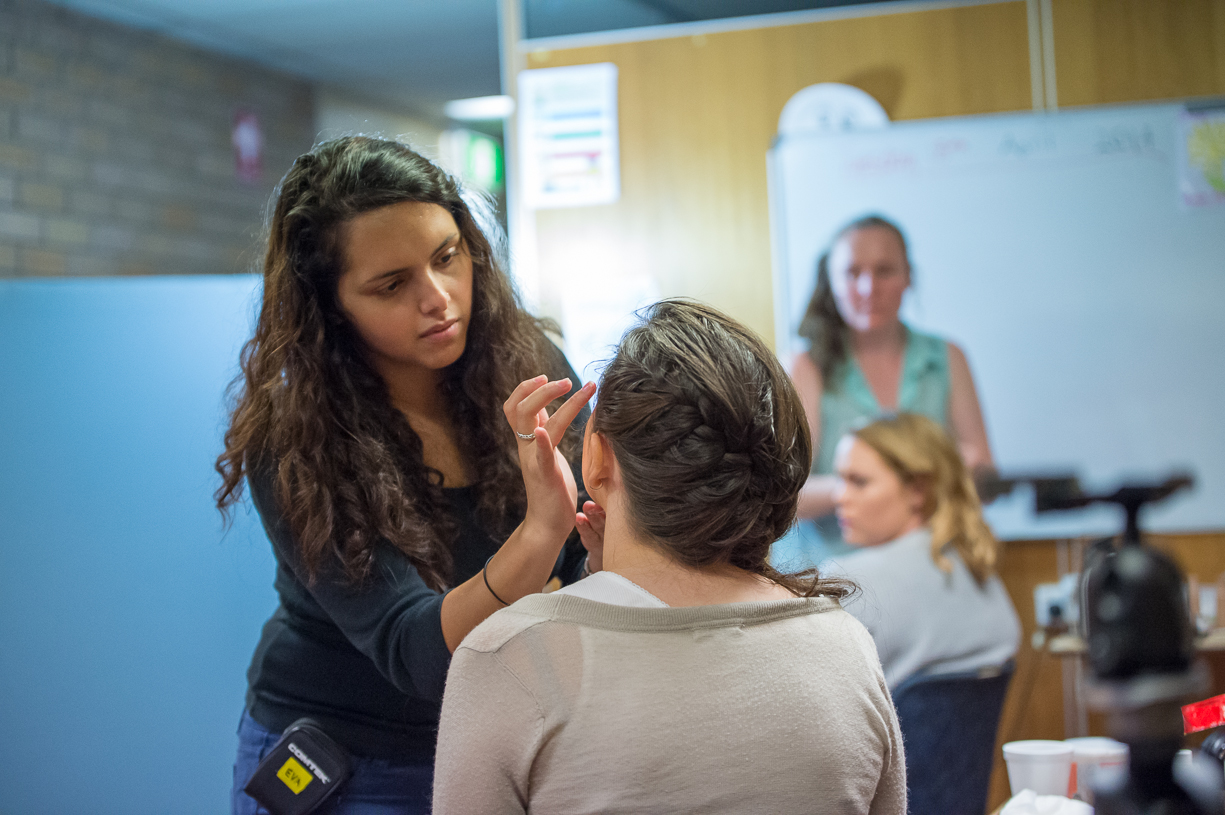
(392, 617)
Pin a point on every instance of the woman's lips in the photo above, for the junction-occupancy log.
(443, 331)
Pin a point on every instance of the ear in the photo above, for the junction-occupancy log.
(598, 463)
(918, 497)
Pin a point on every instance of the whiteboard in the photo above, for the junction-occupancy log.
(1056, 251)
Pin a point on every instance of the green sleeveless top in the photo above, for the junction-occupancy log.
(847, 401)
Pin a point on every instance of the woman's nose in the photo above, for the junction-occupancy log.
(863, 285)
(434, 295)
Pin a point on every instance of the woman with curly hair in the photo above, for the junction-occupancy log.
(371, 427)
(685, 674)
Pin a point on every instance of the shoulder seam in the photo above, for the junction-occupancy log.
(494, 650)
(519, 680)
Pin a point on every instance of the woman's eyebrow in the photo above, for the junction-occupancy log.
(453, 236)
(386, 274)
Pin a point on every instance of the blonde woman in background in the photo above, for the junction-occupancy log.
(925, 558)
(862, 362)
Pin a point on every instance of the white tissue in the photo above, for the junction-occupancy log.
(1028, 802)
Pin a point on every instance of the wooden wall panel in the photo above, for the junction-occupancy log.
(1109, 51)
(699, 113)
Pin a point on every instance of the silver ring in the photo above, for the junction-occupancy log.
(526, 436)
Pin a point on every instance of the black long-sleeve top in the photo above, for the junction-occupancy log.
(368, 662)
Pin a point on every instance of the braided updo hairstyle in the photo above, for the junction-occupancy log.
(711, 440)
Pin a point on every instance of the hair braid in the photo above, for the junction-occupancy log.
(710, 438)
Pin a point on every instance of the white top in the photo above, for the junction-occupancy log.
(922, 619)
(563, 704)
(612, 588)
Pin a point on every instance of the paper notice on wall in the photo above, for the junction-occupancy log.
(568, 136)
(1201, 147)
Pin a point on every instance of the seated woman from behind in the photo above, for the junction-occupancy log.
(688, 675)
(926, 562)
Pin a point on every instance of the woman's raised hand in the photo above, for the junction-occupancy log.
(551, 491)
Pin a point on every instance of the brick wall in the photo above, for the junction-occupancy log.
(115, 152)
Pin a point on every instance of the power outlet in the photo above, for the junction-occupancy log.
(1058, 602)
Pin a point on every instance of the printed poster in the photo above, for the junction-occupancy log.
(568, 136)
(1201, 147)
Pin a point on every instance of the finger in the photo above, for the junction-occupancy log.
(586, 534)
(544, 450)
(595, 517)
(565, 414)
(535, 402)
(520, 393)
(592, 542)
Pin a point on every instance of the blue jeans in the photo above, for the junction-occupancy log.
(377, 786)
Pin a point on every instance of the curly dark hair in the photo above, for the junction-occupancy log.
(711, 440)
(313, 415)
(822, 324)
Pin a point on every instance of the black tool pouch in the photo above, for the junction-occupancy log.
(304, 769)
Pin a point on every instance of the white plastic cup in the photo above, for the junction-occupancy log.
(1040, 765)
(1100, 762)
(1182, 761)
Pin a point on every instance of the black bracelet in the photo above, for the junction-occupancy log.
(485, 574)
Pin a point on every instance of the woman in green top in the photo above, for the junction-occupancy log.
(864, 361)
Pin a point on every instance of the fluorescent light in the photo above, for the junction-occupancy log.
(480, 108)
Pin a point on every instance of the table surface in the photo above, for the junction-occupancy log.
(1073, 645)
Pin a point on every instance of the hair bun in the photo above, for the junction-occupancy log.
(708, 432)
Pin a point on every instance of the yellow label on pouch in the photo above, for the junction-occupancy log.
(295, 776)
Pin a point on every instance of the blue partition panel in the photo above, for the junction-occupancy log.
(128, 611)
